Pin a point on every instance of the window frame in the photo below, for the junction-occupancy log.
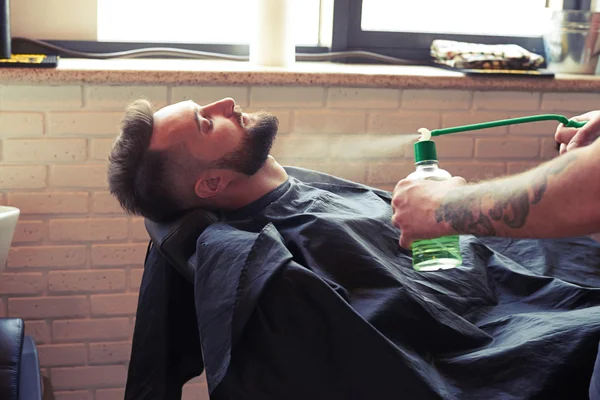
(348, 35)
(111, 47)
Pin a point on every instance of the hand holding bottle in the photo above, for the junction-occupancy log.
(414, 203)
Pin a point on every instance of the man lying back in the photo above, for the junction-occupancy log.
(303, 292)
(188, 156)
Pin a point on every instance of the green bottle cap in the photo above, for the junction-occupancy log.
(425, 151)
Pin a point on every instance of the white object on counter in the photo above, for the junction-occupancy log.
(273, 43)
(9, 216)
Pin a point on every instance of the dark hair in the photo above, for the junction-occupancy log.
(138, 177)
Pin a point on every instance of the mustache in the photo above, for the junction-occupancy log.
(237, 112)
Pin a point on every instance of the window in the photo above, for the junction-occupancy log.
(199, 21)
(467, 17)
(406, 29)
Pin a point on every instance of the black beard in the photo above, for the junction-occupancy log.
(254, 150)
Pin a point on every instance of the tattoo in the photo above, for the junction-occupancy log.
(493, 201)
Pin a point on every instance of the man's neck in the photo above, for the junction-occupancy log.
(247, 190)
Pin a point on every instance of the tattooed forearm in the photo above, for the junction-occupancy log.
(539, 186)
(481, 205)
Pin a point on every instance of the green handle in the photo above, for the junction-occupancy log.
(511, 121)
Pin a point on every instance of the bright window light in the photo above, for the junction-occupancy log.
(194, 21)
(471, 17)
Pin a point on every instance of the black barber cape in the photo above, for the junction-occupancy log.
(306, 294)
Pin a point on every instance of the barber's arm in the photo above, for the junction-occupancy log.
(559, 198)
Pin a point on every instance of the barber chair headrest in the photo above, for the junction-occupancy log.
(176, 239)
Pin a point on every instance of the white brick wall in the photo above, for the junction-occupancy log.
(76, 263)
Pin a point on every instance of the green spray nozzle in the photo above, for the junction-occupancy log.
(511, 121)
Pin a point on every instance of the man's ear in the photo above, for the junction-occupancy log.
(209, 185)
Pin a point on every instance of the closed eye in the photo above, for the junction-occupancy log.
(207, 125)
(204, 124)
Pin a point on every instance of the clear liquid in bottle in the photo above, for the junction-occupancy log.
(439, 253)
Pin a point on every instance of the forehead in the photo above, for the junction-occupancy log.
(171, 121)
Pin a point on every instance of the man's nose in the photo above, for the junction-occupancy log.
(223, 107)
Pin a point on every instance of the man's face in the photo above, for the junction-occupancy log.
(218, 135)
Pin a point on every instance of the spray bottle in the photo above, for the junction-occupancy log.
(438, 253)
(444, 252)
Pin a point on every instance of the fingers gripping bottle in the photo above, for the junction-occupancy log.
(443, 252)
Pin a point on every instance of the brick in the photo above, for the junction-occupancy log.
(548, 148)
(38, 330)
(110, 394)
(105, 203)
(545, 128)
(285, 121)
(301, 146)
(29, 232)
(368, 146)
(41, 97)
(44, 150)
(86, 281)
(460, 119)
(118, 254)
(21, 124)
(110, 353)
(114, 304)
(99, 149)
(578, 103)
(49, 307)
(62, 355)
(74, 256)
(329, 121)
(84, 123)
(363, 98)
(23, 177)
(507, 148)
(287, 96)
(92, 329)
(138, 230)
(448, 147)
(3, 309)
(21, 283)
(473, 172)
(204, 95)
(514, 168)
(402, 122)
(50, 202)
(78, 176)
(391, 173)
(499, 100)
(92, 229)
(74, 395)
(195, 391)
(89, 377)
(436, 99)
(135, 278)
(353, 171)
(109, 97)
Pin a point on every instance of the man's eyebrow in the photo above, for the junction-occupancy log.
(197, 118)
